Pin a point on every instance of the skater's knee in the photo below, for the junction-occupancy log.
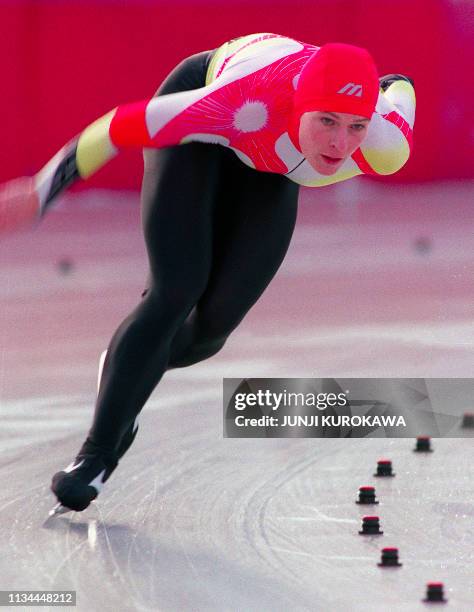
(174, 300)
(213, 346)
(208, 345)
(216, 328)
(198, 351)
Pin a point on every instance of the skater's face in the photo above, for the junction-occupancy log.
(327, 139)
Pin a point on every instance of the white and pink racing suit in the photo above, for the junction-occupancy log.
(245, 105)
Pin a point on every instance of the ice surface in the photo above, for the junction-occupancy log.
(191, 521)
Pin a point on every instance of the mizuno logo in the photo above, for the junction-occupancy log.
(351, 89)
(71, 467)
(97, 483)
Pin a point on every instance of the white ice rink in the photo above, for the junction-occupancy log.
(378, 282)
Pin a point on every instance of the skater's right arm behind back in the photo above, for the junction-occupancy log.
(129, 126)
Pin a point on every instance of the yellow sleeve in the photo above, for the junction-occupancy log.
(388, 144)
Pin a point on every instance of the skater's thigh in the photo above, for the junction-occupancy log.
(177, 200)
(255, 218)
(178, 195)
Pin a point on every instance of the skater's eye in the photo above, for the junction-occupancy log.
(358, 127)
(327, 121)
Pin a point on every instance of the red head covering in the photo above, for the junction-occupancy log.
(338, 77)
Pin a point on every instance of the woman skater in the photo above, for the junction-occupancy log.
(217, 220)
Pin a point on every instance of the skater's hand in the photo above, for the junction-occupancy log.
(19, 204)
(388, 79)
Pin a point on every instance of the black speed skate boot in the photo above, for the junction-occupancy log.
(82, 480)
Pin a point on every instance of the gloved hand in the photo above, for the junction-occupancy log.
(19, 204)
(388, 79)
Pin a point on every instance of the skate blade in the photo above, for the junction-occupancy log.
(59, 509)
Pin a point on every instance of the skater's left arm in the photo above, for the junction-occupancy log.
(389, 140)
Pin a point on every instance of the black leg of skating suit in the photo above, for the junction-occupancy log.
(216, 232)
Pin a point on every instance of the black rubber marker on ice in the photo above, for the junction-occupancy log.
(389, 558)
(384, 468)
(367, 496)
(468, 420)
(434, 592)
(370, 526)
(423, 445)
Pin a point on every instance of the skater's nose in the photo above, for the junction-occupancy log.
(339, 141)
